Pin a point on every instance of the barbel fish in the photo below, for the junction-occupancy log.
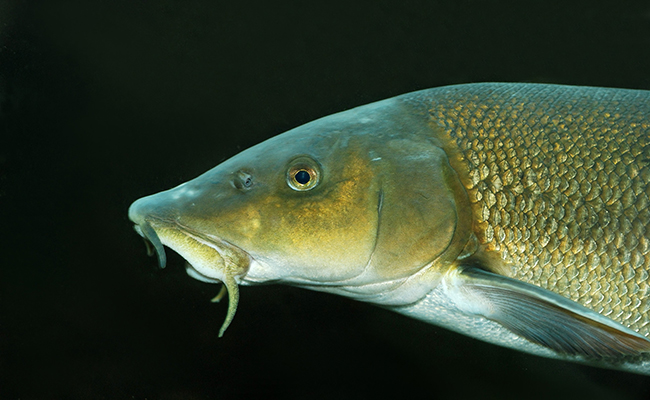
(513, 213)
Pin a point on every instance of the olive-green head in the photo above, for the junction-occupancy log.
(357, 203)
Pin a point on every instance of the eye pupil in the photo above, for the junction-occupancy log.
(302, 177)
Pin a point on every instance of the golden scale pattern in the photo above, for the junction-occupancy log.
(559, 181)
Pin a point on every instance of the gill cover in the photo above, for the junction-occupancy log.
(420, 231)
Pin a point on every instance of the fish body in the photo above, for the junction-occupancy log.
(512, 213)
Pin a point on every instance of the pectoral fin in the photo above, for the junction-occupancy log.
(541, 316)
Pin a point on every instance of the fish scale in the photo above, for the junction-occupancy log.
(558, 181)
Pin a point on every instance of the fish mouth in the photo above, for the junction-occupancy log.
(209, 258)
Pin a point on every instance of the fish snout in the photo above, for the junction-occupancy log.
(142, 212)
(162, 206)
(139, 209)
(168, 205)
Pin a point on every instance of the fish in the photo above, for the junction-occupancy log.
(513, 213)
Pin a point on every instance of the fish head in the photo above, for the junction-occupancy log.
(356, 203)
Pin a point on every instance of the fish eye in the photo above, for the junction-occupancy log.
(303, 174)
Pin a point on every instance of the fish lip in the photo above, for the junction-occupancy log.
(218, 244)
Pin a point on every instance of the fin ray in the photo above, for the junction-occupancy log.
(541, 316)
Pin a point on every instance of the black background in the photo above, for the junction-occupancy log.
(103, 102)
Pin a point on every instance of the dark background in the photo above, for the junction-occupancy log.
(103, 102)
